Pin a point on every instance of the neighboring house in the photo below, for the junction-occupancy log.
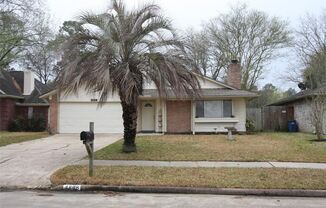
(19, 97)
(221, 105)
(298, 107)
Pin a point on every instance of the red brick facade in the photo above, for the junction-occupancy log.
(178, 116)
(10, 111)
(7, 112)
(38, 111)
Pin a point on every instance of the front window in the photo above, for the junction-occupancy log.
(214, 109)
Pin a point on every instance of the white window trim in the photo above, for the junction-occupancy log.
(219, 118)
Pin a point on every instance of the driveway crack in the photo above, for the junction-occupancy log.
(3, 161)
(56, 148)
(62, 147)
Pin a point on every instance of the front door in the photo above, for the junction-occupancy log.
(148, 116)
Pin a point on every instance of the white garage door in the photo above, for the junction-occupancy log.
(75, 117)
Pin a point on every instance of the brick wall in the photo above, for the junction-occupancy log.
(302, 113)
(178, 116)
(7, 112)
(38, 111)
(53, 115)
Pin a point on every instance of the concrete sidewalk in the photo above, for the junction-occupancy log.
(207, 164)
(30, 164)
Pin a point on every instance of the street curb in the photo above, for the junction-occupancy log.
(193, 190)
(23, 188)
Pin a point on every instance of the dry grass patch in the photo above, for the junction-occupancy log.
(264, 178)
(260, 147)
(17, 137)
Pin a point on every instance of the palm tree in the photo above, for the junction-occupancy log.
(117, 51)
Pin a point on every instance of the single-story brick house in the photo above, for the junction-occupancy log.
(298, 107)
(221, 105)
(19, 97)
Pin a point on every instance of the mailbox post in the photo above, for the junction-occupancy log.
(88, 140)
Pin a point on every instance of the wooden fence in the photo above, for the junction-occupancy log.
(269, 118)
(254, 114)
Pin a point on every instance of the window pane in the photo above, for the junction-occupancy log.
(227, 108)
(199, 109)
(213, 109)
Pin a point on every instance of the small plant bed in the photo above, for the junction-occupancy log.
(17, 137)
(295, 147)
(262, 178)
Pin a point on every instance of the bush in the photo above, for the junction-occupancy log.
(37, 124)
(18, 124)
(250, 125)
(23, 124)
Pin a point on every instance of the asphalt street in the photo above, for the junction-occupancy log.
(38, 199)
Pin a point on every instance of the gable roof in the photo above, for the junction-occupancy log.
(301, 95)
(227, 91)
(12, 83)
(8, 85)
(223, 84)
(205, 93)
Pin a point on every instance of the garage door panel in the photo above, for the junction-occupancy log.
(75, 117)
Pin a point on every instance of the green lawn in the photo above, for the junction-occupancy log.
(264, 178)
(16, 137)
(259, 147)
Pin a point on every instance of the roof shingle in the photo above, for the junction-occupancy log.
(219, 92)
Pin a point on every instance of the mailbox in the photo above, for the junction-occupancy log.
(87, 137)
(88, 140)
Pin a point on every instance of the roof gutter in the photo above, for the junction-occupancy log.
(48, 94)
(32, 104)
(11, 96)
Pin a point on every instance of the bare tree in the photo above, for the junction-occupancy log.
(250, 36)
(310, 46)
(198, 49)
(19, 24)
(41, 59)
(318, 109)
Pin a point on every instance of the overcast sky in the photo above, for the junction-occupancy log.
(192, 13)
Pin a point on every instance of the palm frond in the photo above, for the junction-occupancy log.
(118, 50)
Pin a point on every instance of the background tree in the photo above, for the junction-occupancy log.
(250, 36)
(267, 95)
(311, 50)
(121, 49)
(310, 46)
(20, 23)
(318, 111)
(198, 47)
(68, 30)
(41, 59)
(289, 92)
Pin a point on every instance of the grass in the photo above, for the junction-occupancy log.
(264, 178)
(295, 147)
(17, 137)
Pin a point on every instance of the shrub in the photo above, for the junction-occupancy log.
(23, 124)
(250, 125)
(36, 124)
(18, 124)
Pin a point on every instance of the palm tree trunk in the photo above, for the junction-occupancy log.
(129, 115)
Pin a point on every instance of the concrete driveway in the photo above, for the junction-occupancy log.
(30, 164)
